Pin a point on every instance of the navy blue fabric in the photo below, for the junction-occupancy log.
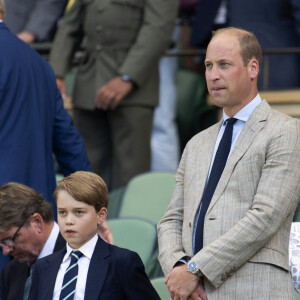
(33, 122)
(114, 273)
(214, 177)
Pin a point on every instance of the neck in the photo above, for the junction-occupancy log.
(47, 231)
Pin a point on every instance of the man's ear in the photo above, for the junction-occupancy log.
(102, 214)
(37, 222)
(253, 68)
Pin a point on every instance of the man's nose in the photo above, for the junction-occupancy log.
(213, 73)
(6, 250)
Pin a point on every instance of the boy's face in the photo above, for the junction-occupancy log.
(77, 220)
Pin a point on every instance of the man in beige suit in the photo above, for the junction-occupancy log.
(246, 226)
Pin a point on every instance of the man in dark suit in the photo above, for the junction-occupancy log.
(276, 24)
(33, 121)
(27, 233)
(33, 20)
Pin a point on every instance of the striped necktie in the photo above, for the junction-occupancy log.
(215, 174)
(70, 278)
(28, 284)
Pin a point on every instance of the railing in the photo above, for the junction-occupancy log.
(286, 101)
(44, 50)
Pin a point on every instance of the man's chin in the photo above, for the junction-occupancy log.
(25, 259)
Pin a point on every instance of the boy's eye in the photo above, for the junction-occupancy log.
(61, 213)
(79, 212)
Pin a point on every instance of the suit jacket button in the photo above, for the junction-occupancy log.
(99, 28)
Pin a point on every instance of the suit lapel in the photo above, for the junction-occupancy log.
(252, 127)
(204, 156)
(97, 270)
(60, 243)
(51, 269)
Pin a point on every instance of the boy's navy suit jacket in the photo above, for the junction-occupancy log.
(114, 273)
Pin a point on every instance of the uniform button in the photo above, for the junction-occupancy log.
(98, 47)
(100, 9)
(99, 28)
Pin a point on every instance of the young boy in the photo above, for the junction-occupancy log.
(104, 271)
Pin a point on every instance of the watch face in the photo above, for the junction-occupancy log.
(192, 266)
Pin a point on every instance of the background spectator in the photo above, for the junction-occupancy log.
(275, 23)
(116, 85)
(34, 124)
(33, 20)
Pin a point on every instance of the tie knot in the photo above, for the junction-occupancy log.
(75, 255)
(231, 121)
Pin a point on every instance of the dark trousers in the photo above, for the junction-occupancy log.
(117, 142)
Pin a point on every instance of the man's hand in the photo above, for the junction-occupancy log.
(182, 284)
(105, 233)
(111, 94)
(26, 36)
(62, 87)
(199, 292)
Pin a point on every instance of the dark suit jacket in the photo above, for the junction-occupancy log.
(37, 16)
(33, 122)
(275, 23)
(114, 273)
(14, 276)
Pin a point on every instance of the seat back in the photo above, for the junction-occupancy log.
(161, 288)
(134, 234)
(148, 195)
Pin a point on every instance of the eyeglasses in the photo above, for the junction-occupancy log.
(10, 242)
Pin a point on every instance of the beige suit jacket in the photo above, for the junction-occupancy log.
(247, 225)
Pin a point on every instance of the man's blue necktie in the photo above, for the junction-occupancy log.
(70, 278)
(215, 174)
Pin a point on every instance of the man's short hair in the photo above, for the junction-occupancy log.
(85, 187)
(2, 8)
(18, 203)
(249, 45)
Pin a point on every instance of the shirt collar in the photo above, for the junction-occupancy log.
(246, 111)
(50, 243)
(87, 249)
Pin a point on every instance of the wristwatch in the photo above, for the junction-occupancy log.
(193, 268)
(126, 78)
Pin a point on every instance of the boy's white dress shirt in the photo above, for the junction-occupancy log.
(83, 266)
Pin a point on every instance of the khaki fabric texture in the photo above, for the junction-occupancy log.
(121, 37)
(248, 221)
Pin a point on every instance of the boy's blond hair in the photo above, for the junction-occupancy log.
(85, 187)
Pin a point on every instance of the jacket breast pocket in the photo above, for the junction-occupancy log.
(128, 16)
